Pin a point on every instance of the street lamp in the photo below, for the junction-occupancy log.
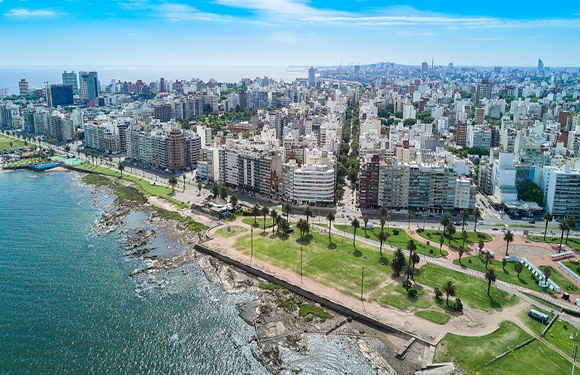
(251, 244)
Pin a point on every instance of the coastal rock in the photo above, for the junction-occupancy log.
(269, 355)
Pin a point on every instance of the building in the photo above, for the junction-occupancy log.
(561, 191)
(464, 194)
(461, 134)
(424, 67)
(483, 91)
(540, 65)
(504, 179)
(70, 78)
(162, 112)
(88, 86)
(60, 127)
(368, 193)
(309, 184)
(24, 88)
(176, 150)
(311, 77)
(60, 95)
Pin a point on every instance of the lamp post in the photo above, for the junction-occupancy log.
(362, 284)
(251, 244)
(300, 265)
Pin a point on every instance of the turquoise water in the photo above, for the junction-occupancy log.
(69, 307)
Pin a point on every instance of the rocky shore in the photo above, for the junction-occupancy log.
(279, 317)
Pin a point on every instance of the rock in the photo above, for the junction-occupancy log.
(296, 369)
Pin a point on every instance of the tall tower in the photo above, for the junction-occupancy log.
(540, 65)
(24, 88)
(311, 76)
(70, 79)
(89, 85)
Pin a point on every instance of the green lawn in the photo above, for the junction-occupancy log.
(394, 295)
(433, 316)
(230, 230)
(473, 352)
(509, 275)
(191, 224)
(26, 162)
(534, 358)
(562, 281)
(457, 240)
(574, 266)
(5, 143)
(148, 189)
(335, 264)
(469, 289)
(545, 303)
(574, 243)
(259, 223)
(400, 240)
(533, 324)
(559, 336)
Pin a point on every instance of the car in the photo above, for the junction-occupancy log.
(457, 223)
(495, 229)
(532, 221)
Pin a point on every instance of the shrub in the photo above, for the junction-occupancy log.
(438, 293)
(412, 292)
(406, 284)
(458, 305)
(420, 230)
(395, 232)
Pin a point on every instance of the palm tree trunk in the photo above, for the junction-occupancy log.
(507, 248)
(561, 239)
(567, 234)
(488, 287)
(381, 248)
(475, 225)
(447, 299)
(545, 230)
(354, 238)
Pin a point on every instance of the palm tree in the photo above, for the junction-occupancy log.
(464, 237)
(382, 238)
(460, 251)
(388, 217)
(383, 221)
(355, 225)
(547, 271)
(451, 232)
(519, 267)
(449, 290)
(488, 257)
(330, 217)
(121, 168)
(464, 217)
(503, 264)
(563, 227)
(255, 212)
(571, 225)
(476, 216)
(413, 257)
(287, 209)
(508, 237)
(366, 221)
(547, 218)
(490, 277)
(441, 241)
(409, 216)
(301, 225)
(265, 212)
(480, 246)
(199, 187)
(445, 222)
(308, 213)
(274, 215)
(172, 182)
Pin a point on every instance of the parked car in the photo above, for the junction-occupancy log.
(532, 221)
(495, 229)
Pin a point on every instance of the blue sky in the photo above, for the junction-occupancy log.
(287, 32)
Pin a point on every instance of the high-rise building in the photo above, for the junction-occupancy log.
(425, 67)
(540, 65)
(70, 78)
(369, 183)
(60, 95)
(461, 134)
(88, 85)
(24, 88)
(483, 91)
(162, 111)
(561, 188)
(311, 77)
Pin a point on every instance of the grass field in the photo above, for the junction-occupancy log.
(400, 240)
(259, 223)
(574, 243)
(394, 295)
(26, 162)
(147, 188)
(469, 289)
(230, 230)
(509, 275)
(562, 281)
(433, 316)
(457, 240)
(336, 264)
(559, 336)
(534, 358)
(124, 193)
(533, 324)
(5, 143)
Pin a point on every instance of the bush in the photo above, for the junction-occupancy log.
(458, 305)
(438, 293)
(420, 230)
(395, 232)
(406, 284)
(412, 292)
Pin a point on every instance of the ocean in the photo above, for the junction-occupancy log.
(70, 307)
(37, 76)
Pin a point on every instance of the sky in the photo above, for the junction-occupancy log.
(288, 32)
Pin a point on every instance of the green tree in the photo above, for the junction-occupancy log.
(382, 238)
(172, 182)
(398, 263)
(265, 213)
(355, 225)
(223, 192)
(519, 267)
(233, 201)
(476, 217)
(255, 212)
(445, 220)
(330, 217)
(121, 168)
(490, 277)
(287, 209)
(547, 218)
(570, 225)
(215, 190)
(464, 217)
(563, 226)
(274, 215)
(366, 221)
(508, 237)
(449, 290)
(199, 187)
(308, 213)
(409, 216)
(503, 264)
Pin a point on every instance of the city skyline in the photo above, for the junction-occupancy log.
(292, 32)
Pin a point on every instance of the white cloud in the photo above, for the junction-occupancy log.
(173, 12)
(30, 13)
(284, 7)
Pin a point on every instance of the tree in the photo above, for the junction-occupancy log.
(451, 232)
(460, 251)
(449, 290)
(301, 225)
(382, 238)
(308, 213)
(445, 220)
(355, 225)
(464, 237)
(413, 257)
(172, 182)
(330, 217)
(480, 246)
(519, 267)
(199, 187)
(223, 192)
(508, 237)
(398, 262)
(274, 215)
(441, 241)
(476, 216)
(547, 218)
(283, 226)
(287, 209)
(503, 264)
(409, 216)
(425, 208)
(490, 277)
(547, 271)
(121, 168)
(563, 226)
(366, 221)
(255, 212)
(464, 217)
(233, 201)
(488, 257)
(265, 213)
(215, 190)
